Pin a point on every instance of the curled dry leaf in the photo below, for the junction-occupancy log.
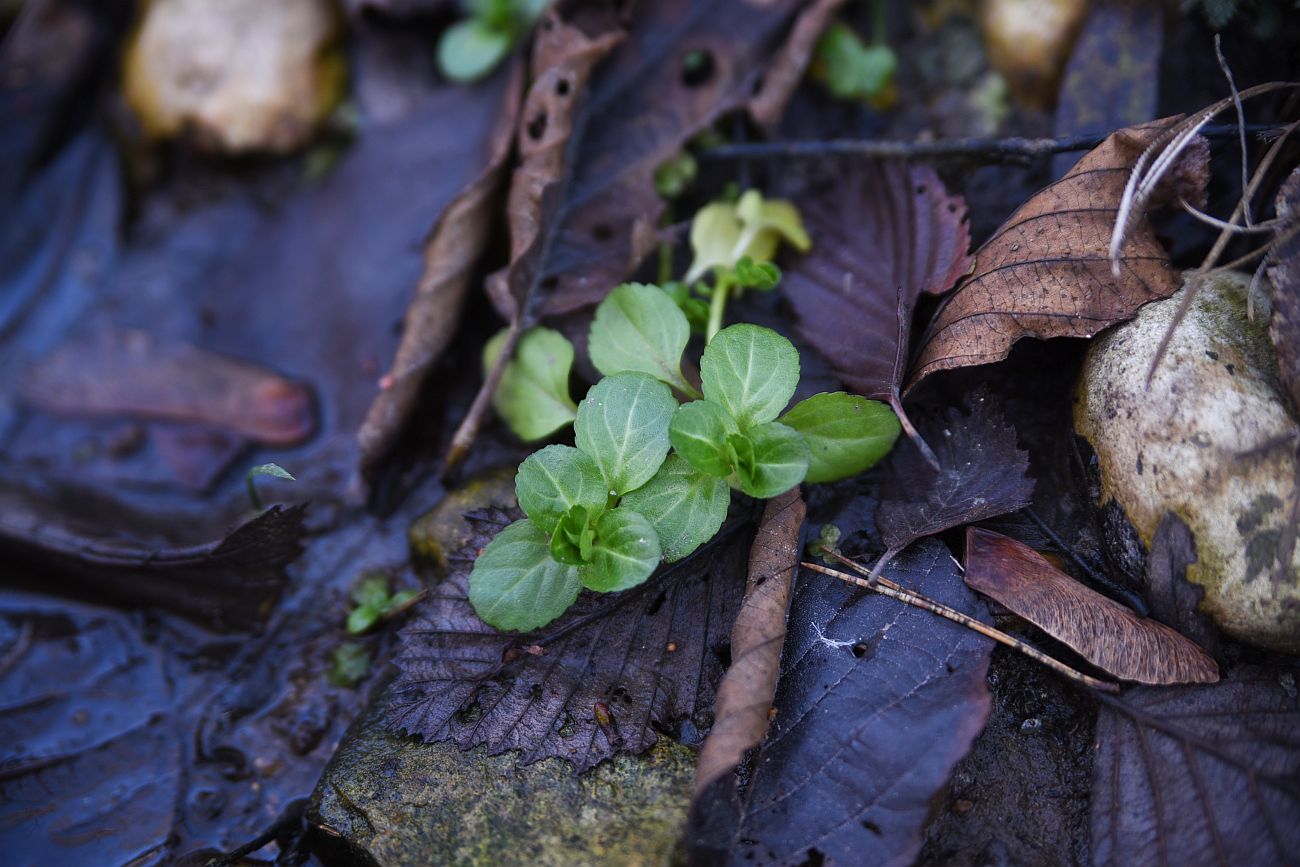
(886, 233)
(745, 694)
(876, 702)
(450, 255)
(1099, 629)
(603, 679)
(1046, 271)
(1200, 775)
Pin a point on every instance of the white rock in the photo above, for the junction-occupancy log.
(1179, 446)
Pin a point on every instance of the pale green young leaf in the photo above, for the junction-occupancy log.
(533, 396)
(573, 537)
(555, 479)
(639, 328)
(766, 222)
(685, 506)
(715, 232)
(751, 371)
(623, 425)
(516, 584)
(470, 49)
(626, 551)
(699, 432)
(846, 433)
(777, 461)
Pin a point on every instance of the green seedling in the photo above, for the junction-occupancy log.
(651, 480)
(273, 470)
(533, 395)
(473, 47)
(374, 603)
(853, 70)
(349, 664)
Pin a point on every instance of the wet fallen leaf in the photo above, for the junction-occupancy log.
(1284, 274)
(1046, 272)
(876, 702)
(885, 233)
(583, 206)
(1173, 598)
(745, 694)
(1099, 629)
(1200, 775)
(651, 656)
(981, 475)
(450, 254)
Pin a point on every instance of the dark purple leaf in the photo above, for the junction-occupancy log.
(884, 233)
(876, 703)
(1284, 274)
(1200, 775)
(981, 475)
(601, 680)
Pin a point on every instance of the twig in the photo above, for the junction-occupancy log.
(1241, 115)
(467, 432)
(1014, 149)
(885, 587)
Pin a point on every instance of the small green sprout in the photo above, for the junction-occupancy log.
(675, 175)
(273, 470)
(473, 47)
(374, 603)
(649, 480)
(852, 70)
(349, 664)
(825, 543)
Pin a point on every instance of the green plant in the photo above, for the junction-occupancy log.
(469, 49)
(602, 514)
(375, 604)
(533, 395)
(273, 470)
(853, 70)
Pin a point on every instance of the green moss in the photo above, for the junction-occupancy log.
(396, 800)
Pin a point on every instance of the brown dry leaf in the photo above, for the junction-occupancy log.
(1046, 272)
(745, 695)
(1284, 274)
(1101, 630)
(450, 254)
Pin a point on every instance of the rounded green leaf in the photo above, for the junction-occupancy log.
(699, 433)
(751, 371)
(626, 551)
(623, 425)
(470, 49)
(846, 433)
(516, 584)
(778, 460)
(552, 481)
(533, 395)
(639, 328)
(685, 506)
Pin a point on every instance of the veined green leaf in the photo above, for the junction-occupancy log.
(846, 433)
(685, 506)
(516, 584)
(626, 551)
(766, 223)
(699, 433)
(573, 537)
(639, 328)
(714, 233)
(623, 425)
(533, 396)
(553, 480)
(776, 461)
(751, 371)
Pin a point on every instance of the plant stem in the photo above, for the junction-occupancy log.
(718, 305)
(885, 587)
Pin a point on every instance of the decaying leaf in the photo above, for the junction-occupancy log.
(1099, 629)
(1174, 599)
(1284, 274)
(1200, 775)
(584, 210)
(129, 373)
(876, 703)
(885, 233)
(450, 254)
(650, 657)
(1046, 272)
(745, 694)
(786, 71)
(981, 475)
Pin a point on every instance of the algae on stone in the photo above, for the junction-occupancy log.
(1189, 444)
(395, 800)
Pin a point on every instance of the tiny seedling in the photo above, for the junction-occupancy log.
(473, 47)
(375, 604)
(533, 395)
(650, 480)
(853, 70)
(349, 664)
(273, 470)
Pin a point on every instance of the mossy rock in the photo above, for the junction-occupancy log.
(1191, 444)
(443, 530)
(387, 799)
